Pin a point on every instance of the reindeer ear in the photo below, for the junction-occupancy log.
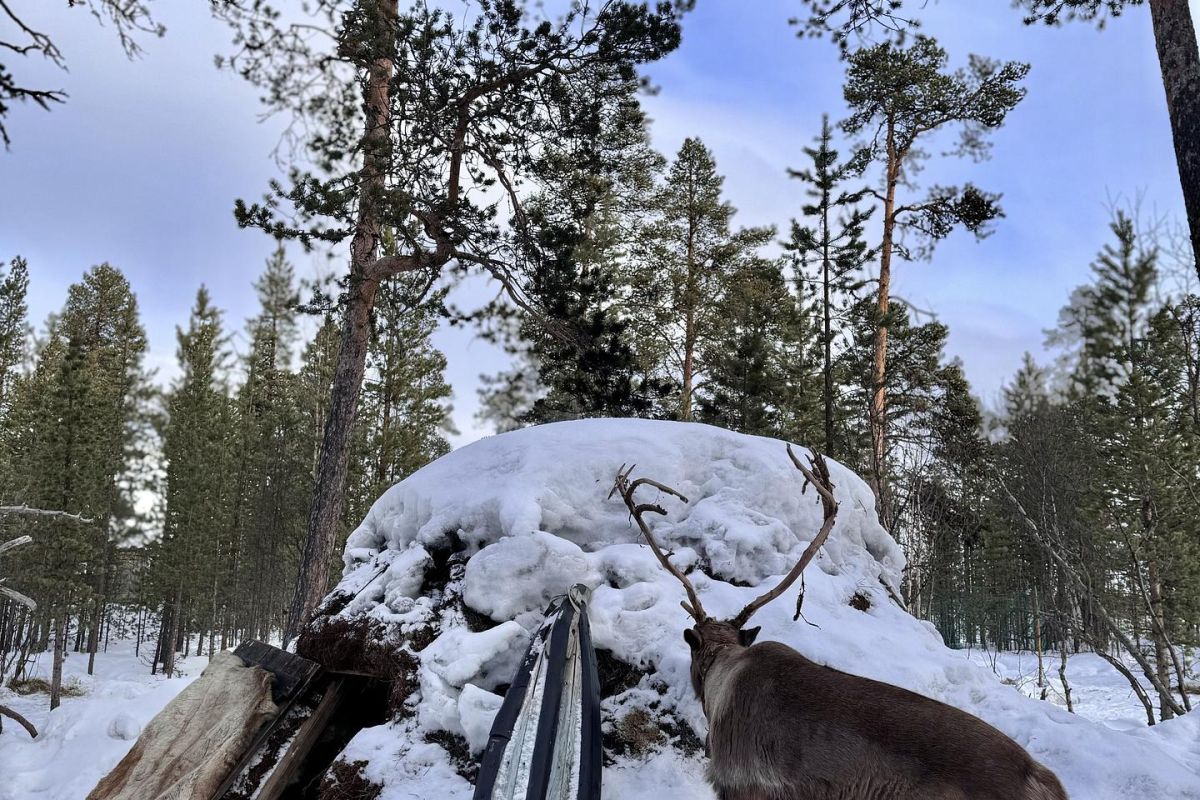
(746, 636)
(692, 638)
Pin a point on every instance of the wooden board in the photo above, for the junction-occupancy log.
(302, 744)
(292, 677)
(292, 673)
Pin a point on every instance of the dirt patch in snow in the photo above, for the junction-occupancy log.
(345, 781)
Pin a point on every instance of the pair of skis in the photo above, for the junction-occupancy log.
(545, 741)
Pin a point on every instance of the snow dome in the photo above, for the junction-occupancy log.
(448, 577)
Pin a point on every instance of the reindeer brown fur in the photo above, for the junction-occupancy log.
(782, 727)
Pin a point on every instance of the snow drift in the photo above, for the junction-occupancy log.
(529, 514)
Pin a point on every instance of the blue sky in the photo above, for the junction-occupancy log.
(141, 167)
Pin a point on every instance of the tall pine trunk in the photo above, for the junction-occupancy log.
(326, 507)
(169, 643)
(1179, 62)
(98, 617)
(878, 412)
(689, 329)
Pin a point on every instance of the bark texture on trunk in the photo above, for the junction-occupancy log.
(60, 646)
(332, 464)
(1162, 646)
(326, 505)
(879, 371)
(1179, 61)
(827, 330)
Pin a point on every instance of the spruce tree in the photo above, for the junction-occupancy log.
(198, 444)
(14, 325)
(830, 255)
(79, 413)
(577, 355)
(273, 470)
(763, 370)
(406, 413)
(586, 363)
(1028, 391)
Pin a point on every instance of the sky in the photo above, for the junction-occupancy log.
(142, 165)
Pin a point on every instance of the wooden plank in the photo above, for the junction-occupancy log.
(303, 743)
(292, 673)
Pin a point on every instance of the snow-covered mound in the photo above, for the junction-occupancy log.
(530, 513)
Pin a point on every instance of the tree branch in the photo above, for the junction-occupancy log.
(24, 723)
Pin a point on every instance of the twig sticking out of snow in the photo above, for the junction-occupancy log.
(818, 476)
(624, 487)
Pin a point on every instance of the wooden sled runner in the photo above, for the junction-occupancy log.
(545, 742)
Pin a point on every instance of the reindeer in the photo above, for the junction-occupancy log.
(782, 727)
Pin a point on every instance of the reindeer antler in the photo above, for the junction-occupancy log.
(818, 476)
(624, 487)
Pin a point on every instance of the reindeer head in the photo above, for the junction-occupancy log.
(710, 639)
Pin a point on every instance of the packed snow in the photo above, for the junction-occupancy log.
(533, 510)
(93, 729)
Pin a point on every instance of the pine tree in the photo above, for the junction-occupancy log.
(1174, 39)
(689, 257)
(454, 108)
(932, 414)
(830, 255)
(899, 97)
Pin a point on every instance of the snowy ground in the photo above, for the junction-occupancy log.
(87, 735)
(533, 512)
(122, 694)
(1098, 691)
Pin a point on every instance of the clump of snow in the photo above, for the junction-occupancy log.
(532, 509)
(124, 727)
(459, 658)
(523, 573)
(477, 710)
